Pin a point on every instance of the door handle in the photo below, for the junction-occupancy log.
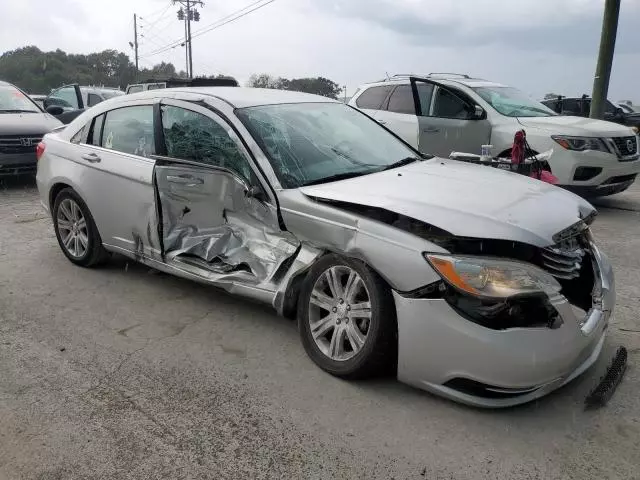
(91, 157)
(431, 130)
(187, 181)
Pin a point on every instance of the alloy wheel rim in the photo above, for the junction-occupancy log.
(72, 227)
(340, 313)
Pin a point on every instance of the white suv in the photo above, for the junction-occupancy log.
(441, 113)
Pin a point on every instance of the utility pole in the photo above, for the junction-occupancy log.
(605, 58)
(135, 40)
(190, 14)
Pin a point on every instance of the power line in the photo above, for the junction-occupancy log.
(223, 21)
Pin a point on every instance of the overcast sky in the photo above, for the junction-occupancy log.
(536, 45)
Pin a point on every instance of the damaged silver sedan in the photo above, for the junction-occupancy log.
(476, 284)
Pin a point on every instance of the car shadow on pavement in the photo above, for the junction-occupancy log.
(16, 183)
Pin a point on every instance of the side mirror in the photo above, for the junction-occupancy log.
(478, 113)
(257, 193)
(54, 110)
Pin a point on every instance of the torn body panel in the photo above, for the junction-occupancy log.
(210, 226)
(392, 252)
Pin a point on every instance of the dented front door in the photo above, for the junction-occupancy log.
(215, 219)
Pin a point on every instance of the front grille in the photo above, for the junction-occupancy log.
(12, 144)
(564, 260)
(626, 145)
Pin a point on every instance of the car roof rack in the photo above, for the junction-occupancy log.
(448, 74)
(399, 76)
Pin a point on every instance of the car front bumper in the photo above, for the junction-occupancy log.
(438, 350)
(592, 174)
(18, 163)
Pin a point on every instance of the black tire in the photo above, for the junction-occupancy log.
(378, 355)
(95, 252)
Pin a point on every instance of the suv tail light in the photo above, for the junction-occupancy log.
(40, 150)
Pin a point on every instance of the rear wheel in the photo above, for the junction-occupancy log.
(76, 231)
(347, 319)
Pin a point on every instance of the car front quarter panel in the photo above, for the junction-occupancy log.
(393, 253)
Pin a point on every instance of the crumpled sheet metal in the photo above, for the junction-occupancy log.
(236, 235)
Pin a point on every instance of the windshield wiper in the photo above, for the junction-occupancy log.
(7, 110)
(401, 163)
(336, 177)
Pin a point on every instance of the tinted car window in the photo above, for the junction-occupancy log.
(93, 99)
(401, 100)
(449, 105)
(373, 97)
(130, 130)
(64, 97)
(189, 135)
(570, 105)
(96, 129)
(425, 92)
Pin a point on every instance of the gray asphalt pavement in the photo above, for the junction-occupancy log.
(126, 373)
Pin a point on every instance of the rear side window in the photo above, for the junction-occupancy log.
(570, 105)
(130, 130)
(401, 100)
(373, 97)
(134, 89)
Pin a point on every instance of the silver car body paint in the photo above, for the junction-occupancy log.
(209, 222)
(259, 248)
(465, 199)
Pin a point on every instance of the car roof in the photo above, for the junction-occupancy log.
(237, 97)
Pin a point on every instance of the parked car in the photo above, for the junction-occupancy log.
(182, 82)
(69, 101)
(439, 114)
(628, 109)
(473, 283)
(581, 107)
(22, 126)
(39, 99)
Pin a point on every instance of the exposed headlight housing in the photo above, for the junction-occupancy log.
(492, 278)
(581, 144)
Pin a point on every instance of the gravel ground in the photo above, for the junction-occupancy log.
(126, 373)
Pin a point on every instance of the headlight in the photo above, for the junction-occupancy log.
(580, 144)
(636, 129)
(493, 278)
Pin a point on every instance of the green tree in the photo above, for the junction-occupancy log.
(36, 71)
(316, 85)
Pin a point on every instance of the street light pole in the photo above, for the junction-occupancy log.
(605, 58)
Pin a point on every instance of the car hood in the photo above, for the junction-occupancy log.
(464, 199)
(27, 123)
(576, 126)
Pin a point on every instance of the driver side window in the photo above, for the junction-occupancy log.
(189, 135)
(64, 97)
(450, 105)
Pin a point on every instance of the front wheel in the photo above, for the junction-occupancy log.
(347, 319)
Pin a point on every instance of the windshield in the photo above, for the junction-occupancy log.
(511, 102)
(13, 100)
(309, 143)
